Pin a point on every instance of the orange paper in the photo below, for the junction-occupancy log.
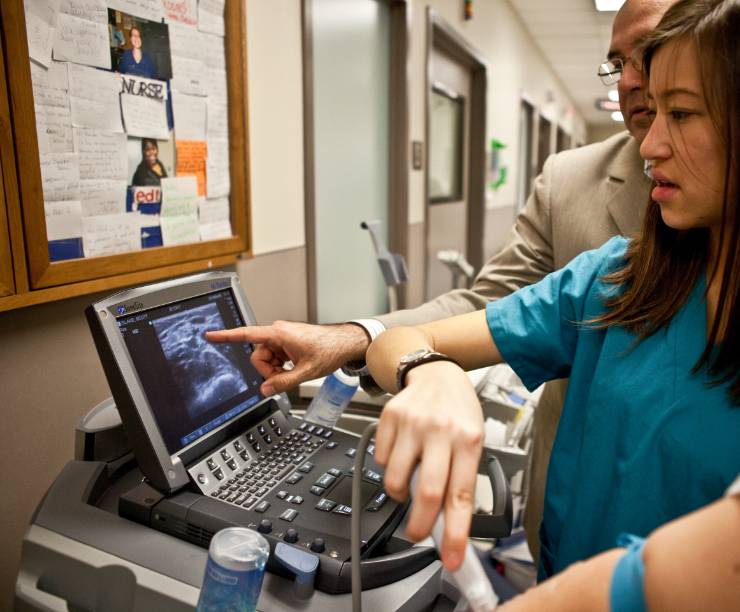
(191, 159)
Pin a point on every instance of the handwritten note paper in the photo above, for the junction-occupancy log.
(212, 210)
(60, 176)
(50, 85)
(217, 119)
(218, 183)
(179, 196)
(213, 51)
(189, 75)
(92, 10)
(191, 160)
(41, 22)
(111, 234)
(179, 229)
(216, 84)
(211, 16)
(63, 220)
(81, 41)
(145, 117)
(190, 116)
(148, 9)
(54, 129)
(94, 98)
(102, 154)
(216, 230)
(186, 41)
(181, 11)
(102, 197)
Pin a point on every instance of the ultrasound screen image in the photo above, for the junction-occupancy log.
(192, 386)
(206, 374)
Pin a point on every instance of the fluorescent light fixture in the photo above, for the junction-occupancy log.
(617, 116)
(608, 5)
(613, 95)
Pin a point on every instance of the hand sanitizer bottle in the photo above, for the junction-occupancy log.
(331, 400)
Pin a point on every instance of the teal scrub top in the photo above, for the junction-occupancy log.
(641, 439)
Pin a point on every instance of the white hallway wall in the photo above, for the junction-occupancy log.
(515, 65)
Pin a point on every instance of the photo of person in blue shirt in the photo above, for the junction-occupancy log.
(135, 60)
(646, 329)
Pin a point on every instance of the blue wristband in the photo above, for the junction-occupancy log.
(626, 593)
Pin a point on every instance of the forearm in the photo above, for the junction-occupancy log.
(465, 338)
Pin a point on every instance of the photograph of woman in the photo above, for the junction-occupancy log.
(135, 60)
(150, 170)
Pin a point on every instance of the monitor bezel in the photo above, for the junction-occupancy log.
(166, 471)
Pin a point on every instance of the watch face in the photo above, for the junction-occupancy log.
(410, 357)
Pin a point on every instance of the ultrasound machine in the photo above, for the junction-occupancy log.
(187, 446)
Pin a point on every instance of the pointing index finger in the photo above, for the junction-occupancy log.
(255, 334)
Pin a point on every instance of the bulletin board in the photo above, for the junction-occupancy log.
(130, 132)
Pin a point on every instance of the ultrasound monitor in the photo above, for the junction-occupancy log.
(175, 390)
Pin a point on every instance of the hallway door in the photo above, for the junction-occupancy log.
(350, 53)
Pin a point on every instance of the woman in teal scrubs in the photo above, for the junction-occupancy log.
(647, 330)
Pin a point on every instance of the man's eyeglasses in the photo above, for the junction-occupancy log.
(610, 71)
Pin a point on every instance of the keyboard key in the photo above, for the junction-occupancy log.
(219, 474)
(294, 478)
(351, 452)
(289, 515)
(317, 490)
(272, 422)
(342, 509)
(211, 464)
(306, 467)
(377, 502)
(303, 426)
(297, 499)
(263, 506)
(238, 446)
(319, 431)
(268, 439)
(325, 480)
(282, 494)
(232, 464)
(278, 431)
(334, 471)
(326, 505)
(310, 429)
(262, 430)
(331, 445)
(225, 455)
(328, 433)
(250, 437)
(249, 502)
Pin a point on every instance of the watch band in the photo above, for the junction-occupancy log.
(411, 360)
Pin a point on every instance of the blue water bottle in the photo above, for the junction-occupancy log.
(234, 571)
(331, 400)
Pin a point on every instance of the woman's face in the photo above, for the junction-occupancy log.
(150, 154)
(685, 149)
(135, 37)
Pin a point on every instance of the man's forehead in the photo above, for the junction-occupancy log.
(634, 20)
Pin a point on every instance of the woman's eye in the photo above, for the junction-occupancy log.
(679, 115)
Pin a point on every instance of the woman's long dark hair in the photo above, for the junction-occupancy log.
(664, 264)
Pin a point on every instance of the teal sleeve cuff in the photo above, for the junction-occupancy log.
(627, 593)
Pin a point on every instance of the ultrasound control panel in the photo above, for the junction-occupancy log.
(213, 450)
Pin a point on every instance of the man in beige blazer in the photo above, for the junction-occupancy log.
(582, 198)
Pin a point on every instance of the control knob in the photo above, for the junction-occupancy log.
(318, 545)
(291, 536)
(265, 526)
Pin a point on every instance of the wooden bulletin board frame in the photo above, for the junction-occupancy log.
(37, 279)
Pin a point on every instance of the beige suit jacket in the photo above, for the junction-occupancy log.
(582, 198)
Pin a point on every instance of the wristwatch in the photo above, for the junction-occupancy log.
(416, 358)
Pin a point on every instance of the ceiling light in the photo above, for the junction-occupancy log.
(613, 95)
(608, 5)
(617, 116)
